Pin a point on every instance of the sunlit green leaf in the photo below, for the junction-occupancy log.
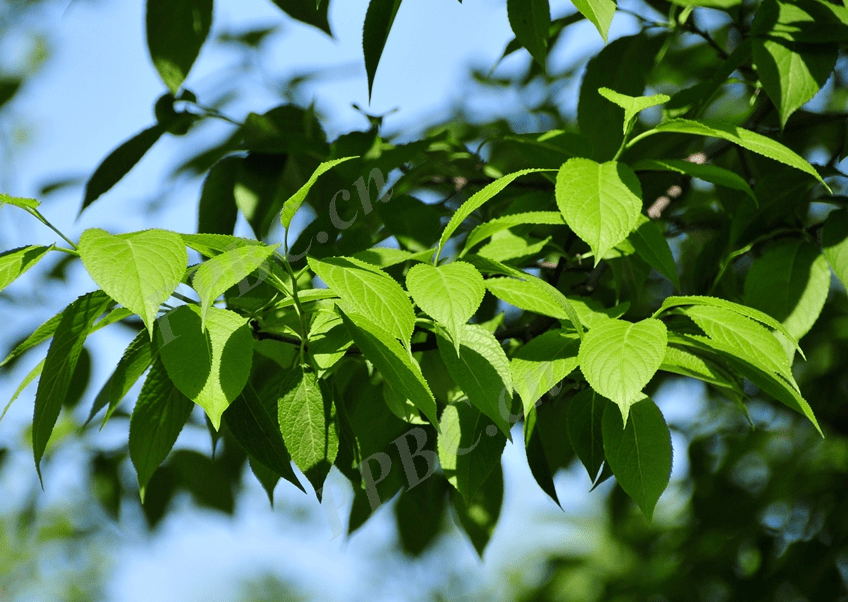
(291, 206)
(632, 105)
(708, 173)
(599, 12)
(543, 362)
(15, 262)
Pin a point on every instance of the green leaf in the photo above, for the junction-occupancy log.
(679, 361)
(369, 292)
(599, 201)
(632, 105)
(136, 358)
(60, 364)
(618, 358)
(530, 21)
(479, 517)
(506, 246)
(139, 270)
(217, 211)
(328, 338)
(651, 245)
(790, 73)
(639, 453)
(708, 173)
(211, 245)
(477, 200)
(487, 229)
(752, 141)
(790, 283)
(591, 312)
(585, 416)
(748, 312)
(743, 337)
(15, 262)
(722, 4)
(308, 424)
(450, 294)
(31, 376)
(291, 206)
(599, 12)
(419, 514)
(481, 369)
(210, 366)
(23, 203)
(311, 13)
(158, 418)
(119, 162)
(216, 275)
(834, 243)
(543, 362)
(533, 294)
(469, 448)
(253, 422)
(804, 21)
(378, 23)
(399, 369)
(176, 30)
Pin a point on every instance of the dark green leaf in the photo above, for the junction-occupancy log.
(651, 245)
(176, 30)
(530, 21)
(136, 359)
(585, 414)
(479, 517)
(308, 12)
(378, 24)
(217, 211)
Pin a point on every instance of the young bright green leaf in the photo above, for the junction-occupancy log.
(599, 12)
(708, 173)
(834, 244)
(632, 105)
(308, 424)
(790, 283)
(59, 366)
(211, 245)
(399, 369)
(533, 294)
(543, 362)
(369, 292)
(119, 162)
(585, 414)
(176, 30)
(159, 415)
(803, 21)
(680, 361)
(135, 360)
(790, 73)
(651, 245)
(15, 262)
(469, 448)
(450, 294)
(479, 517)
(378, 23)
(618, 358)
(754, 142)
(507, 246)
(591, 311)
(138, 270)
(477, 200)
(216, 275)
(639, 453)
(311, 13)
(743, 337)
(328, 338)
(748, 312)
(253, 423)
(31, 376)
(291, 206)
(485, 230)
(599, 201)
(23, 203)
(481, 369)
(209, 366)
(530, 21)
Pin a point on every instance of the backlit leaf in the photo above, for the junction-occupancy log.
(484, 231)
(291, 206)
(708, 173)
(599, 12)
(15, 262)
(539, 365)
(136, 358)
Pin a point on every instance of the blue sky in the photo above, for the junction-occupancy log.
(97, 91)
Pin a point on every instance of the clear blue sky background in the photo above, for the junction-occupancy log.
(97, 91)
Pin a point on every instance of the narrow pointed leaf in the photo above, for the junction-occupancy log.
(639, 453)
(651, 245)
(211, 245)
(399, 369)
(15, 262)
(291, 206)
(311, 13)
(708, 173)
(119, 162)
(484, 231)
(618, 358)
(585, 418)
(135, 360)
(176, 30)
(369, 292)
(59, 366)
(159, 415)
(31, 376)
(138, 270)
(632, 105)
(536, 295)
(599, 12)
(210, 366)
(216, 275)
(530, 21)
(450, 294)
(481, 369)
(599, 201)
(539, 365)
(308, 425)
(217, 210)
(378, 23)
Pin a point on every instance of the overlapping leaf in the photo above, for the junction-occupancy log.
(708, 173)
(15, 262)
(542, 363)
(632, 105)
(291, 206)
(585, 418)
